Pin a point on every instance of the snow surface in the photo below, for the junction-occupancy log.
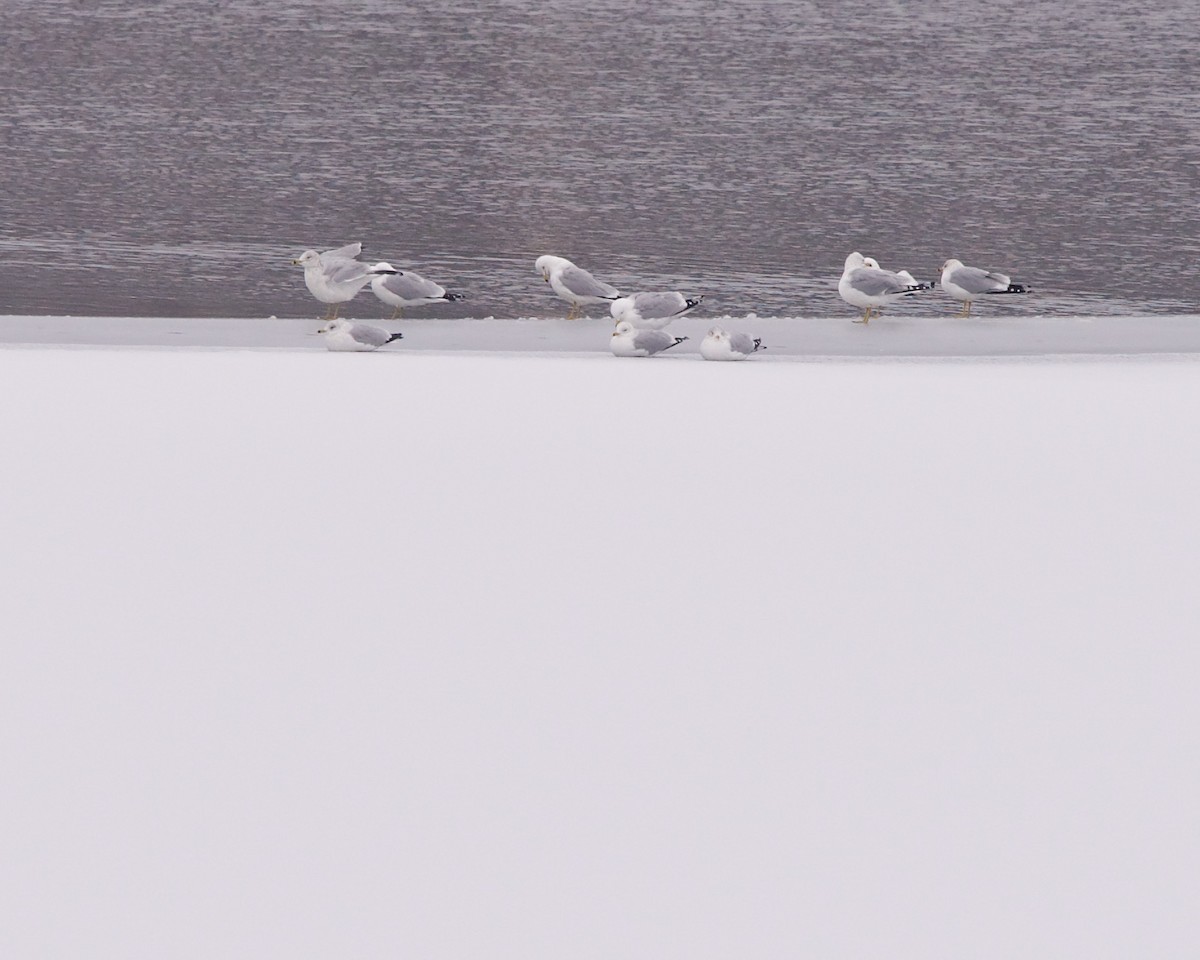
(896, 334)
(411, 655)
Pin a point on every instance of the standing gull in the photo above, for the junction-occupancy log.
(870, 287)
(967, 283)
(342, 336)
(334, 277)
(403, 288)
(574, 284)
(627, 341)
(723, 345)
(652, 311)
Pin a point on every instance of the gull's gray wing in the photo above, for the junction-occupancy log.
(876, 283)
(653, 341)
(742, 343)
(656, 306)
(349, 251)
(341, 270)
(975, 280)
(583, 284)
(365, 333)
(413, 286)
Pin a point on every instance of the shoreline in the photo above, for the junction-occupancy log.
(799, 339)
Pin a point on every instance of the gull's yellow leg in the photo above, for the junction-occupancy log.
(396, 313)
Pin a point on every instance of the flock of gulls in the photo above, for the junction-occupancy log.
(336, 276)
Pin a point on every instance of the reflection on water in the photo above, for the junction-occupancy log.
(170, 158)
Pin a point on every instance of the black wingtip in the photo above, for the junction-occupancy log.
(395, 336)
(679, 340)
(454, 296)
(758, 344)
(690, 303)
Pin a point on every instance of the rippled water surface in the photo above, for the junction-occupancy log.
(170, 158)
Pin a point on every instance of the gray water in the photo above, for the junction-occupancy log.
(170, 158)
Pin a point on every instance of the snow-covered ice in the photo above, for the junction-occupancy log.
(428, 655)
(791, 338)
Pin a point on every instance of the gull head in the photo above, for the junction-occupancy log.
(548, 264)
(854, 261)
(716, 333)
(871, 262)
(951, 264)
(334, 325)
(307, 258)
(624, 329)
(382, 267)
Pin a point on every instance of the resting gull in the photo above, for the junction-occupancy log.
(870, 287)
(342, 336)
(967, 283)
(652, 311)
(723, 345)
(628, 341)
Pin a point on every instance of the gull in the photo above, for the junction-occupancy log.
(652, 311)
(403, 288)
(628, 341)
(342, 336)
(574, 284)
(723, 345)
(334, 277)
(967, 283)
(870, 287)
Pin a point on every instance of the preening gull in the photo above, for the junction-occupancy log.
(723, 345)
(403, 288)
(870, 287)
(334, 277)
(627, 341)
(344, 336)
(652, 311)
(967, 283)
(574, 284)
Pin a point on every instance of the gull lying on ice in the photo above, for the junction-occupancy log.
(334, 277)
(627, 341)
(574, 284)
(403, 288)
(651, 311)
(722, 345)
(870, 287)
(343, 336)
(967, 283)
